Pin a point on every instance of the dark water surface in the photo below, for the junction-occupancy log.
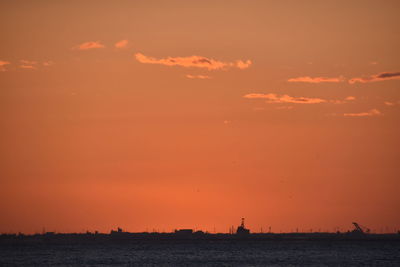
(205, 253)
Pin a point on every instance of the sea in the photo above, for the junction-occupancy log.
(205, 253)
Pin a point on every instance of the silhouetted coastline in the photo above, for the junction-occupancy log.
(242, 233)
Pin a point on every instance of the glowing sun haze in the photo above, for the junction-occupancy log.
(192, 114)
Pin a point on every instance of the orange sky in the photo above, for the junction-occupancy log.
(192, 114)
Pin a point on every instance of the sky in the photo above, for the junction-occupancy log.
(160, 115)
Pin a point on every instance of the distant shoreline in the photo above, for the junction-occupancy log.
(62, 238)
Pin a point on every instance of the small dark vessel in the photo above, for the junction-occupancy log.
(241, 230)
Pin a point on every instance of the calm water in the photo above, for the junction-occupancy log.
(206, 253)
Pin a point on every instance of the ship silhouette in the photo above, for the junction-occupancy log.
(241, 230)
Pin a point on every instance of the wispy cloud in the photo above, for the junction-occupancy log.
(29, 67)
(88, 46)
(376, 78)
(346, 100)
(202, 77)
(121, 44)
(48, 63)
(2, 64)
(387, 103)
(243, 64)
(274, 98)
(308, 79)
(193, 61)
(372, 112)
(28, 64)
